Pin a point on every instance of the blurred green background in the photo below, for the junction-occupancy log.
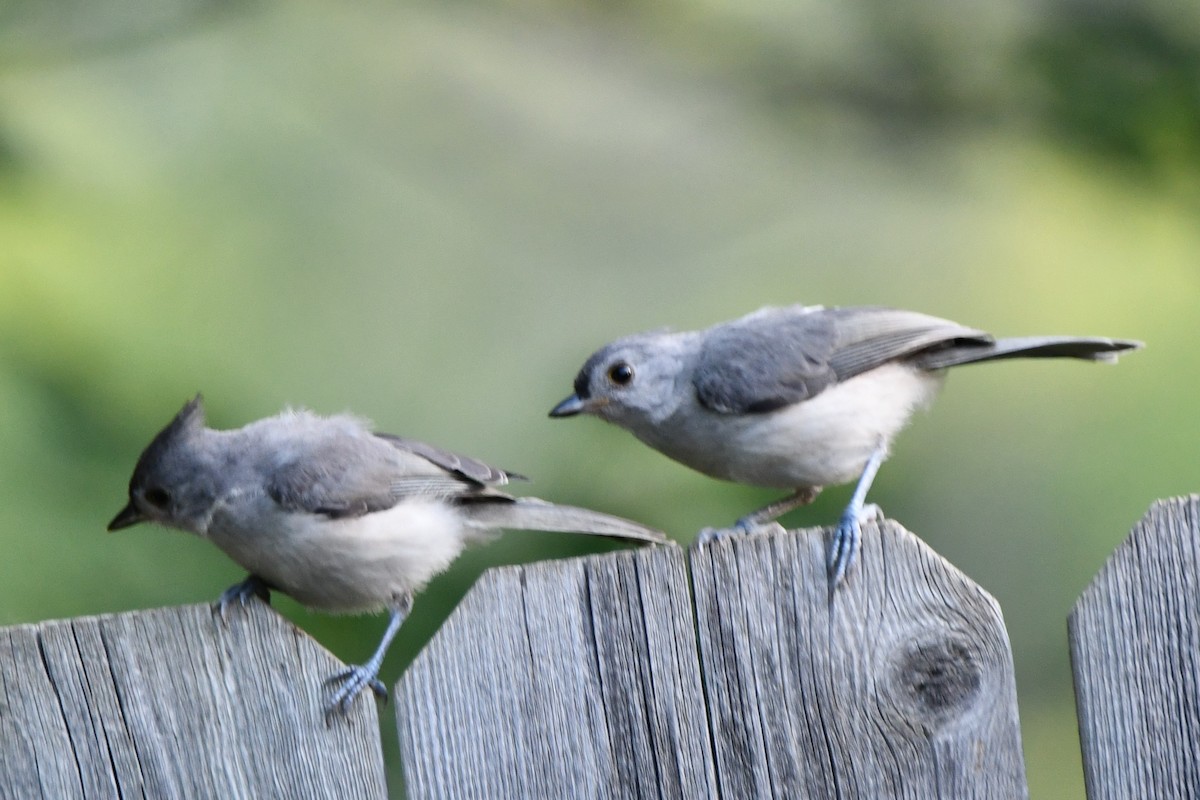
(431, 213)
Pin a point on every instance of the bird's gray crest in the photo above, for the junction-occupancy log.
(189, 418)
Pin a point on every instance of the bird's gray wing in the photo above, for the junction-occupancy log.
(870, 336)
(349, 477)
(780, 356)
(471, 469)
(765, 361)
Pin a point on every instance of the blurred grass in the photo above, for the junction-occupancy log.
(431, 214)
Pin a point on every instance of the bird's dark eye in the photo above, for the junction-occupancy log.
(620, 373)
(157, 497)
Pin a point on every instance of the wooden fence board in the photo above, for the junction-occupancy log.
(171, 703)
(1135, 652)
(903, 687)
(546, 680)
(571, 678)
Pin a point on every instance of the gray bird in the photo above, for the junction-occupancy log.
(794, 398)
(342, 519)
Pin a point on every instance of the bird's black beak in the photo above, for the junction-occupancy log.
(129, 515)
(568, 408)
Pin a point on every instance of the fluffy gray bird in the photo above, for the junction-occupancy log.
(793, 398)
(342, 519)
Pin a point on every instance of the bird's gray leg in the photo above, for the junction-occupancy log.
(772, 511)
(241, 593)
(354, 679)
(847, 538)
(765, 515)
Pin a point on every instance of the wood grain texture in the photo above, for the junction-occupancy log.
(1135, 652)
(570, 678)
(171, 703)
(903, 687)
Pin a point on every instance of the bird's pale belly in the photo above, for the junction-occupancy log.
(825, 441)
(352, 564)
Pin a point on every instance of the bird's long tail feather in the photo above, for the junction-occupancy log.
(532, 514)
(1088, 348)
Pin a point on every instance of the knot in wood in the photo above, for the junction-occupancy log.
(941, 678)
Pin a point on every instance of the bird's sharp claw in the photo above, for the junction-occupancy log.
(241, 593)
(353, 680)
(743, 527)
(847, 540)
(843, 549)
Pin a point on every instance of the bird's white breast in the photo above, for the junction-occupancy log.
(351, 564)
(824, 441)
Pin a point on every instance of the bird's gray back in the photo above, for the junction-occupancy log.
(337, 467)
(470, 469)
(776, 357)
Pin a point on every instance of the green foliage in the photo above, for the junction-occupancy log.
(1123, 80)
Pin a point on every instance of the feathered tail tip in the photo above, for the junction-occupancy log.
(532, 514)
(1087, 348)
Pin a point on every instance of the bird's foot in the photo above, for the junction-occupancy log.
(353, 680)
(847, 541)
(743, 527)
(242, 593)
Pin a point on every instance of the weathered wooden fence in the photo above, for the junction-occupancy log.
(720, 672)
